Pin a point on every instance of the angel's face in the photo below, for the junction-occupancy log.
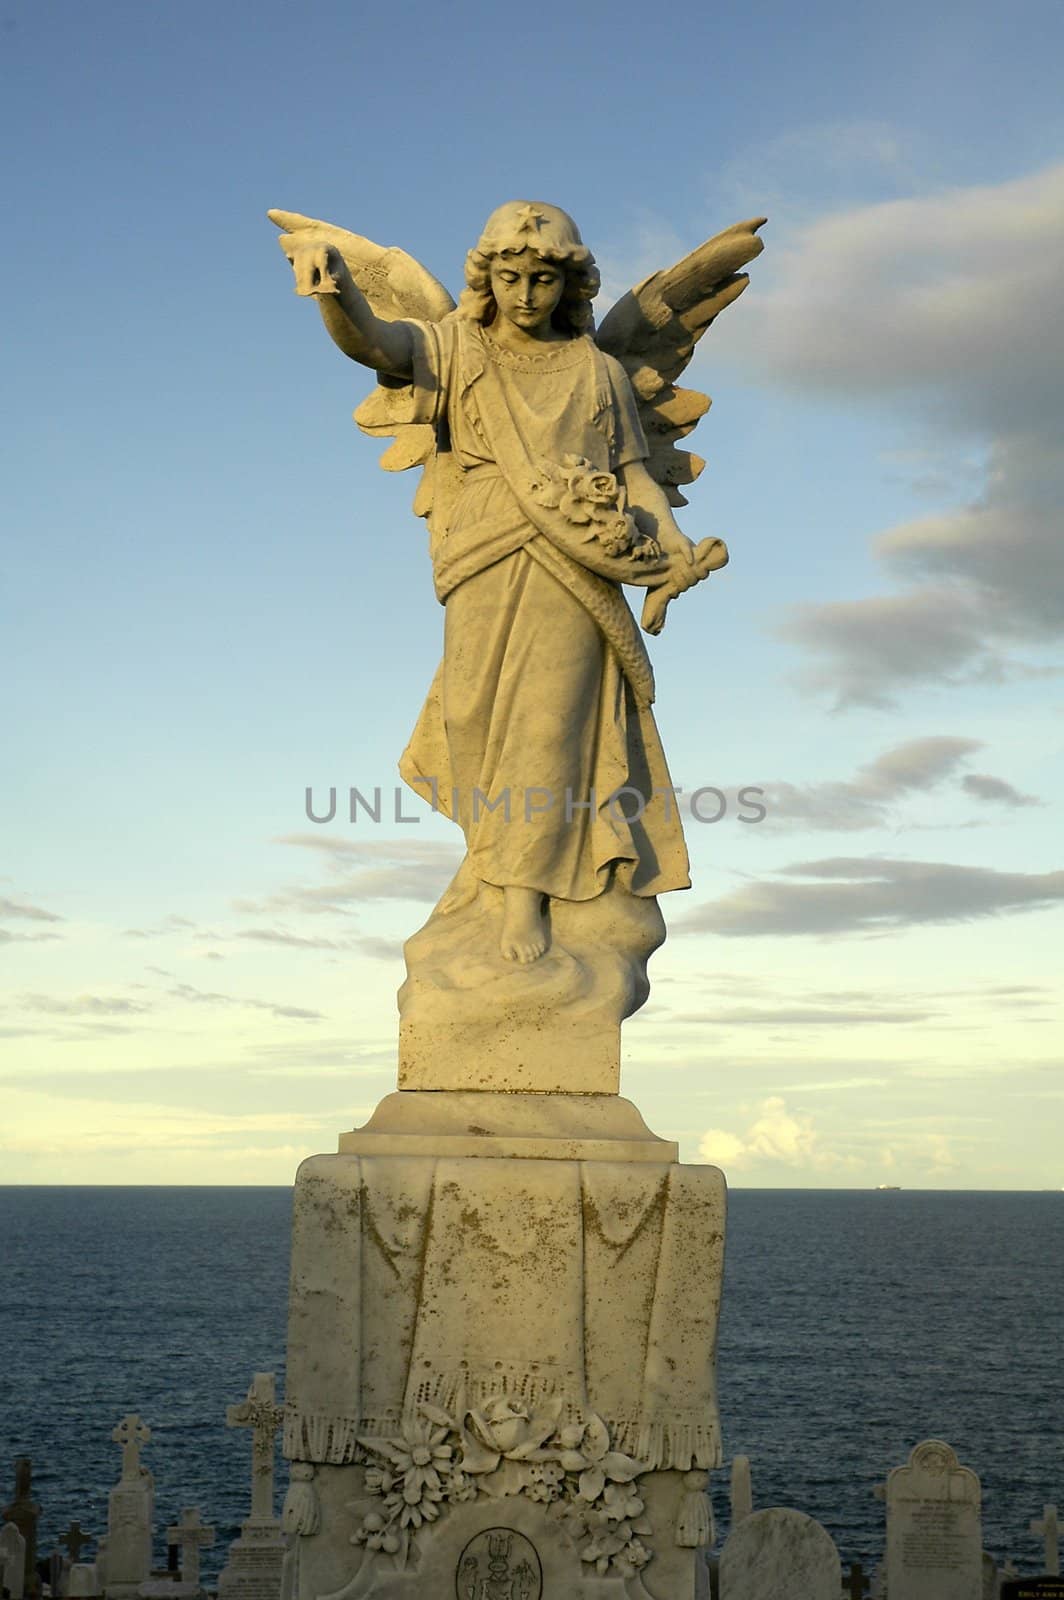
(527, 290)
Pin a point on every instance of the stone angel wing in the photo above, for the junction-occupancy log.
(396, 286)
(652, 331)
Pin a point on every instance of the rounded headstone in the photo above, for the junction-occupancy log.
(778, 1554)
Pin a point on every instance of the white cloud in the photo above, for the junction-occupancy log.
(776, 1136)
(721, 1148)
(946, 308)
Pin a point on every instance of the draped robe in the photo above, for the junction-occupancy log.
(540, 710)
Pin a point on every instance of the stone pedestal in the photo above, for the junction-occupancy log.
(501, 1354)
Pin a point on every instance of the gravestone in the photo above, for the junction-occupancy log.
(82, 1581)
(742, 1494)
(101, 1562)
(504, 1289)
(191, 1536)
(76, 1540)
(1049, 1528)
(57, 1567)
(990, 1577)
(12, 1561)
(24, 1512)
(779, 1554)
(130, 1507)
(934, 1534)
(253, 1567)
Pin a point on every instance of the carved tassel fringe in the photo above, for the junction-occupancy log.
(679, 1443)
(671, 1443)
(694, 1525)
(301, 1513)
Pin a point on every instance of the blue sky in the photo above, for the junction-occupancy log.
(213, 598)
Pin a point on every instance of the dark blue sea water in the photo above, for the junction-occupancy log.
(855, 1324)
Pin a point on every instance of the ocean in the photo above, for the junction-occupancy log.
(854, 1325)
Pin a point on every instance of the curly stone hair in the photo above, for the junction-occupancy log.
(550, 234)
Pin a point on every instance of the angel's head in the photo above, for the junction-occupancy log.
(524, 232)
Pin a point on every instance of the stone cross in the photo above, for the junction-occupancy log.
(75, 1540)
(742, 1495)
(192, 1537)
(1049, 1528)
(131, 1434)
(856, 1584)
(263, 1415)
(24, 1512)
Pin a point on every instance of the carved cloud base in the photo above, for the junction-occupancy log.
(501, 1371)
(471, 1020)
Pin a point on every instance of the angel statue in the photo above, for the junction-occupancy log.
(550, 477)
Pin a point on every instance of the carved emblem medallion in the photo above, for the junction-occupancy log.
(499, 1564)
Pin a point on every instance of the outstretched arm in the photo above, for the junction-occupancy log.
(646, 497)
(688, 563)
(322, 272)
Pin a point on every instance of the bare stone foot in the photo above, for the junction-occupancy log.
(524, 926)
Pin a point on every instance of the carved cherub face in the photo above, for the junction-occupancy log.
(527, 289)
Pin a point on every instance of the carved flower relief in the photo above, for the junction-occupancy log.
(545, 1482)
(504, 1449)
(593, 501)
(586, 1449)
(501, 1430)
(417, 1471)
(610, 1545)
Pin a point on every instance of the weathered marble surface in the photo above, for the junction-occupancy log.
(551, 471)
(742, 1492)
(551, 1127)
(338, 1559)
(23, 1513)
(417, 1280)
(1048, 1526)
(778, 1554)
(191, 1536)
(531, 1313)
(934, 1532)
(472, 1020)
(130, 1511)
(503, 1315)
(12, 1561)
(255, 1560)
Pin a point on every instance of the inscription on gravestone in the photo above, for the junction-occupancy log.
(936, 1539)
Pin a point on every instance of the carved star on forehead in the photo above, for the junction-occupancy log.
(529, 219)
